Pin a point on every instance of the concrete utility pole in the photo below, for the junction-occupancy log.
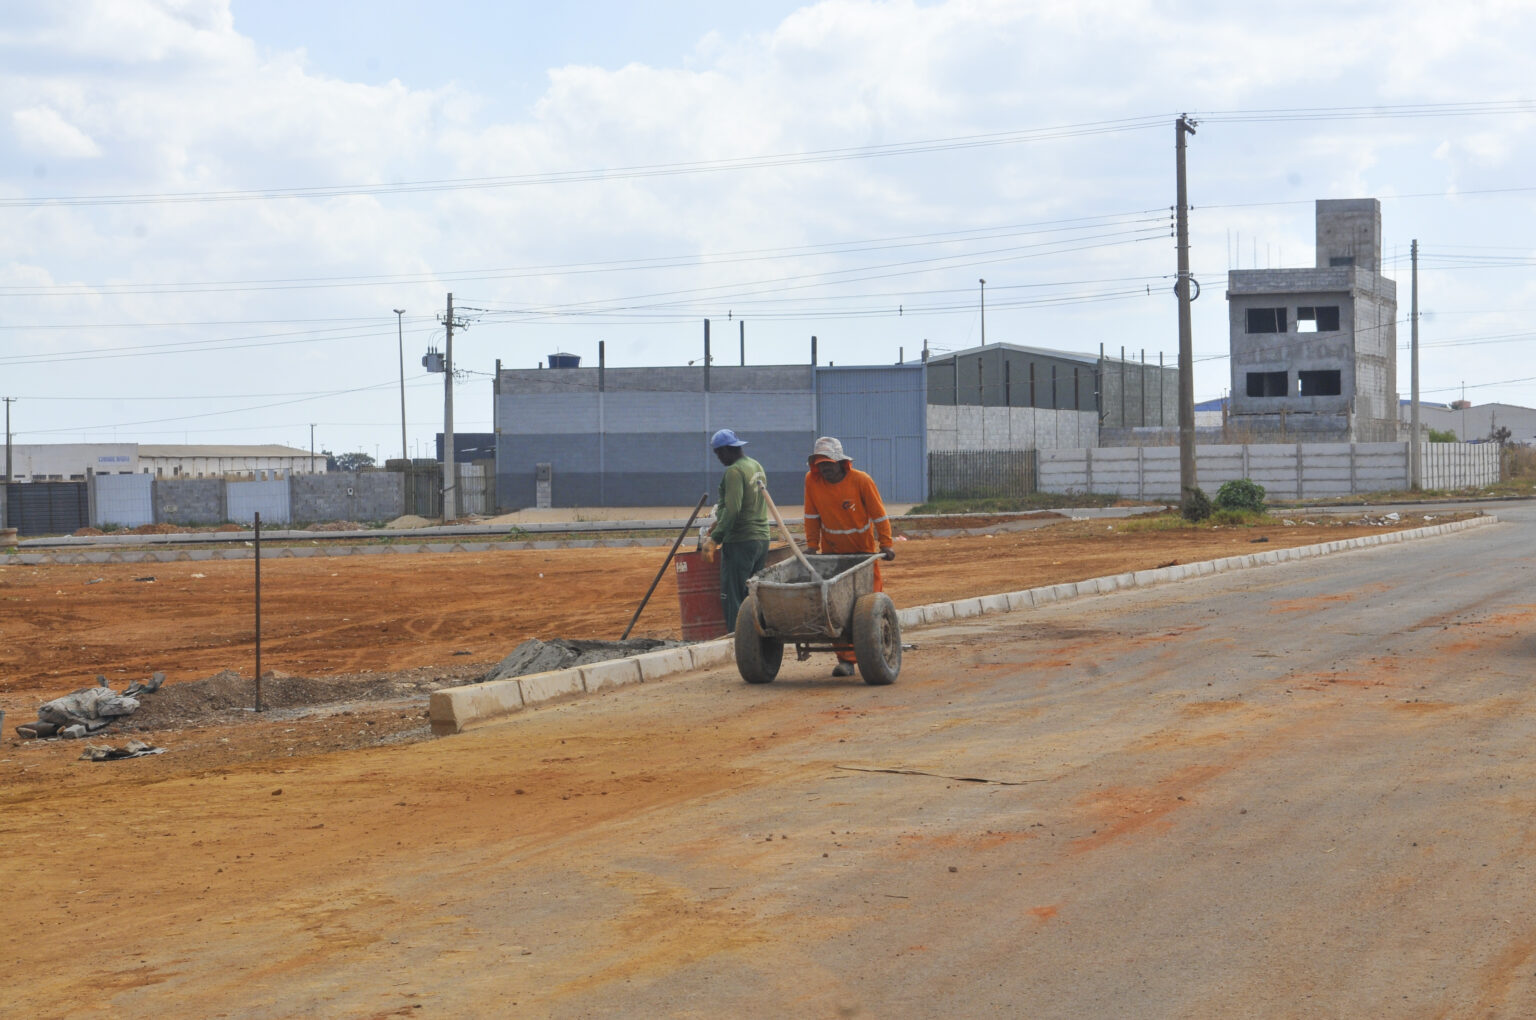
(450, 474)
(8, 402)
(983, 313)
(405, 451)
(311, 447)
(1415, 458)
(1187, 480)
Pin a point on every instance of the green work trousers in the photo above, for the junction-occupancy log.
(738, 561)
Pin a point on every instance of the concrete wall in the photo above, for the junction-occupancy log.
(190, 501)
(269, 497)
(952, 429)
(1290, 471)
(1349, 229)
(362, 496)
(1136, 395)
(125, 501)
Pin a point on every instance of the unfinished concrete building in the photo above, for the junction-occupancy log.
(1314, 351)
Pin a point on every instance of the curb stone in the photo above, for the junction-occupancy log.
(455, 709)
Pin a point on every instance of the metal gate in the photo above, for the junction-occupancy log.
(424, 488)
(47, 508)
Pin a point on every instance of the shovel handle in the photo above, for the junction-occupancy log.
(762, 483)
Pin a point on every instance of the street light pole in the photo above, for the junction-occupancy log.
(405, 452)
(983, 313)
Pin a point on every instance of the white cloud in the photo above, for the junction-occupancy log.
(183, 102)
(43, 131)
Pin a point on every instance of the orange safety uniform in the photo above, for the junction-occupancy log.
(846, 517)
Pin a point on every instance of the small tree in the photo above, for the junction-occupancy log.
(1442, 435)
(348, 461)
(1241, 494)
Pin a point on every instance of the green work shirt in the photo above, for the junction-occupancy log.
(741, 515)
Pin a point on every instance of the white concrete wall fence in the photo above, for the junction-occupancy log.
(1287, 471)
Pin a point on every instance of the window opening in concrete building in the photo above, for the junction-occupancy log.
(1266, 320)
(1320, 383)
(1319, 319)
(1338, 261)
(1267, 384)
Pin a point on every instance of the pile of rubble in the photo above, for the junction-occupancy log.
(88, 710)
(535, 656)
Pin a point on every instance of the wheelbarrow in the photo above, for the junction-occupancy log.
(830, 605)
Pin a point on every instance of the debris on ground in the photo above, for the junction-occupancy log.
(535, 656)
(337, 526)
(89, 709)
(408, 521)
(106, 752)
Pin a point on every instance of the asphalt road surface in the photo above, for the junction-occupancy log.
(1305, 790)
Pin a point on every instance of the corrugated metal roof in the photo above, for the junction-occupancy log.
(167, 450)
(1087, 359)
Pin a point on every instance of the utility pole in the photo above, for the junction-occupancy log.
(311, 447)
(450, 472)
(983, 313)
(1416, 452)
(1188, 483)
(8, 402)
(405, 452)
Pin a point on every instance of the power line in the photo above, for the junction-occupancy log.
(620, 173)
(946, 144)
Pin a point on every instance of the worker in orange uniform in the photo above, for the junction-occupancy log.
(844, 514)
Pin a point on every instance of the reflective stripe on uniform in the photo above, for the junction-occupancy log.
(848, 531)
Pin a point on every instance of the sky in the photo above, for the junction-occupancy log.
(209, 209)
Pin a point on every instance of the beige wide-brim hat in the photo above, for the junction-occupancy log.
(827, 448)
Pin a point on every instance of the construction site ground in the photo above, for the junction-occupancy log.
(293, 861)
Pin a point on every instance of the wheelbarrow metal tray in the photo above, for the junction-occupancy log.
(794, 605)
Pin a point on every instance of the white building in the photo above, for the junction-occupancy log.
(62, 462)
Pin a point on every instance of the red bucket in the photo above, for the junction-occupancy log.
(698, 596)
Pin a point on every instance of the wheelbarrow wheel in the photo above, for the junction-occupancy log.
(757, 657)
(877, 638)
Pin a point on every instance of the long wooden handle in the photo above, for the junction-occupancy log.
(664, 563)
(762, 483)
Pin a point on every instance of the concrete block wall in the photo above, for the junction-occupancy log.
(190, 501)
(363, 496)
(971, 428)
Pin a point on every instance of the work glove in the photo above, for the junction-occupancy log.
(711, 547)
(887, 552)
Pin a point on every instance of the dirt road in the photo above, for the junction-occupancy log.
(1304, 790)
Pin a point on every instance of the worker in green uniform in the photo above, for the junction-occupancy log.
(741, 522)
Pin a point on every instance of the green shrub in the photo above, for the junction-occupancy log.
(1197, 507)
(1442, 435)
(1240, 494)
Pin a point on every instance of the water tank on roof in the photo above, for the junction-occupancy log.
(565, 361)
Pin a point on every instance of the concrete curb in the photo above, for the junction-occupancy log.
(456, 709)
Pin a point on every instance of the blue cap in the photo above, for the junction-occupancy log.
(725, 437)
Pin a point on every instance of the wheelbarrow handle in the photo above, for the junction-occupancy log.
(762, 484)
